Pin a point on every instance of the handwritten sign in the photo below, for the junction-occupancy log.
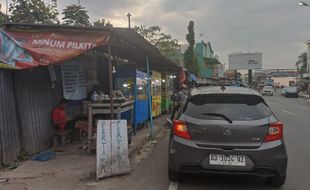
(73, 81)
(112, 148)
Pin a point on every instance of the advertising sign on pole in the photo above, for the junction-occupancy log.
(112, 148)
(245, 61)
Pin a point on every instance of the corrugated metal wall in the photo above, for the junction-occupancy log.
(10, 145)
(57, 93)
(34, 102)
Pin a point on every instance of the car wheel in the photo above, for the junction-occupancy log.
(277, 181)
(173, 176)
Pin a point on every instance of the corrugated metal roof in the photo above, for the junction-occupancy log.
(126, 43)
(9, 131)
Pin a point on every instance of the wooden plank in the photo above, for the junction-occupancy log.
(90, 123)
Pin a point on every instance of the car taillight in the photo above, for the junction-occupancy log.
(180, 130)
(275, 132)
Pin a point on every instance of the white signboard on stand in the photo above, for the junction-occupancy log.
(112, 148)
(245, 61)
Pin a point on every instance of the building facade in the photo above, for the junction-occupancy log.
(207, 60)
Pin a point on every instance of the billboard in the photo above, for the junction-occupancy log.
(244, 61)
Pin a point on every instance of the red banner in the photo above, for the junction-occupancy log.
(23, 48)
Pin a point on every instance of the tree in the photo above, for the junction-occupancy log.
(302, 63)
(167, 45)
(34, 11)
(102, 23)
(75, 15)
(2, 18)
(190, 59)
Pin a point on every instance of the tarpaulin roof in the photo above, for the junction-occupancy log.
(125, 43)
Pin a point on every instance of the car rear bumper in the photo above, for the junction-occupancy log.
(267, 93)
(258, 171)
(291, 94)
(268, 160)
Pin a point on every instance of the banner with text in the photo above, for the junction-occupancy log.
(20, 49)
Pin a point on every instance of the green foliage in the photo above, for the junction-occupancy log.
(102, 23)
(34, 11)
(75, 15)
(151, 34)
(303, 62)
(167, 45)
(190, 59)
(190, 37)
(2, 18)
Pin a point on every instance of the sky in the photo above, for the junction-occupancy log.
(277, 28)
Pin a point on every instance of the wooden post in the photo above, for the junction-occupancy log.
(111, 82)
(149, 96)
(90, 125)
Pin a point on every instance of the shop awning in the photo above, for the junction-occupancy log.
(30, 45)
(211, 60)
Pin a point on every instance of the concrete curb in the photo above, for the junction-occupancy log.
(133, 149)
(304, 96)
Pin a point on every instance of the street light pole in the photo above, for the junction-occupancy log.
(6, 11)
(301, 3)
(308, 69)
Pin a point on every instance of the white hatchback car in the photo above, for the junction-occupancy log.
(267, 90)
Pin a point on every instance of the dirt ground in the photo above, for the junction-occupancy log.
(70, 170)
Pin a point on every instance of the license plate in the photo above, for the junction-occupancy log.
(227, 160)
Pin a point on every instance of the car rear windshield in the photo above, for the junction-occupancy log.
(268, 87)
(292, 88)
(220, 107)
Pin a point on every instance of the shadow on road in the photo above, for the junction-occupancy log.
(214, 182)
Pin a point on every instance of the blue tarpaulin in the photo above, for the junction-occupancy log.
(192, 77)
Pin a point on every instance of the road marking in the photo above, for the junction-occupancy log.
(173, 186)
(289, 112)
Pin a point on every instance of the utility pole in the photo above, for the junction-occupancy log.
(250, 78)
(6, 11)
(129, 15)
(308, 67)
(301, 3)
(308, 71)
(79, 2)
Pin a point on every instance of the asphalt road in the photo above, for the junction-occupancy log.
(294, 113)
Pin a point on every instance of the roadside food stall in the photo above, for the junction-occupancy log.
(156, 93)
(39, 68)
(133, 83)
(167, 91)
